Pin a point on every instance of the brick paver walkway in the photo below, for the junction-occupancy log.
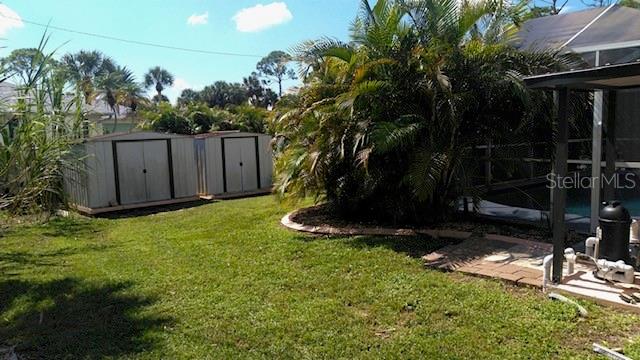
(510, 259)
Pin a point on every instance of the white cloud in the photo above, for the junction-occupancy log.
(175, 91)
(180, 84)
(9, 19)
(262, 17)
(196, 19)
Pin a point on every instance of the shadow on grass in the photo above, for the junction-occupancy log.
(58, 227)
(134, 213)
(74, 319)
(13, 261)
(72, 227)
(416, 246)
(413, 246)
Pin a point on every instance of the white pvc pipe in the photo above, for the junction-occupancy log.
(570, 256)
(591, 247)
(546, 271)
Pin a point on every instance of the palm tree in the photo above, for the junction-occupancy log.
(117, 87)
(84, 67)
(160, 78)
(132, 95)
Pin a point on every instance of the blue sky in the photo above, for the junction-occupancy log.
(239, 26)
(166, 22)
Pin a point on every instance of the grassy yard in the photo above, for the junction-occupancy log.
(224, 280)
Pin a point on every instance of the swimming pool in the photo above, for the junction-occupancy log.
(578, 200)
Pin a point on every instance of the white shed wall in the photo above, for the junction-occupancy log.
(213, 163)
(101, 185)
(184, 168)
(266, 161)
(75, 178)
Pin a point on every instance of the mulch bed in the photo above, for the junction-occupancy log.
(322, 216)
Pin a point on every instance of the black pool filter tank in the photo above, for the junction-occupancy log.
(614, 223)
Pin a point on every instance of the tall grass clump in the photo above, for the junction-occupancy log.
(36, 133)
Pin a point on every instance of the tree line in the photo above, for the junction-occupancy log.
(90, 76)
(227, 106)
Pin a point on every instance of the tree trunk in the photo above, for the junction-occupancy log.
(115, 117)
(159, 89)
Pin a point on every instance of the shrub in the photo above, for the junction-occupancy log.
(166, 118)
(249, 118)
(198, 118)
(36, 139)
(385, 126)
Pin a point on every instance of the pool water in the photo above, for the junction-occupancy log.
(578, 200)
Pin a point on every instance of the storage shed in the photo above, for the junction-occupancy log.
(234, 163)
(125, 171)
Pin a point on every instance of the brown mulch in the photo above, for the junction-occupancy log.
(322, 216)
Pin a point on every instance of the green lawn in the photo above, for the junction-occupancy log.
(224, 280)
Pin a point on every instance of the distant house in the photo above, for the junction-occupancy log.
(602, 36)
(100, 117)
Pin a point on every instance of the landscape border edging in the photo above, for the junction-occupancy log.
(287, 221)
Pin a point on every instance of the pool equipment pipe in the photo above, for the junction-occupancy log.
(634, 231)
(581, 310)
(610, 354)
(616, 271)
(592, 245)
(570, 257)
(546, 271)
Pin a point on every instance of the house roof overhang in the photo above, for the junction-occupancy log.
(612, 77)
(603, 28)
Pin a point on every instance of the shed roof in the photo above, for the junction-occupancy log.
(140, 135)
(598, 26)
(232, 133)
(622, 76)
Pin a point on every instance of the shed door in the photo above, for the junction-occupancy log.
(156, 164)
(131, 172)
(249, 165)
(241, 165)
(233, 164)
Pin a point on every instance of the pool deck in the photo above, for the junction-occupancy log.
(519, 262)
